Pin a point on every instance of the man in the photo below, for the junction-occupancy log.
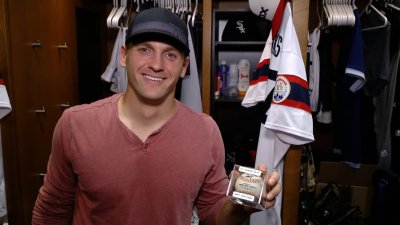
(141, 157)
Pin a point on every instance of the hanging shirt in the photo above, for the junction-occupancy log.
(348, 130)
(5, 105)
(289, 115)
(355, 64)
(190, 90)
(5, 108)
(375, 41)
(385, 103)
(289, 119)
(326, 70)
(314, 68)
(115, 73)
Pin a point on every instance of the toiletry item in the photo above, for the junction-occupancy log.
(224, 73)
(233, 80)
(244, 76)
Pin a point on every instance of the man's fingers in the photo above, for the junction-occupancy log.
(262, 167)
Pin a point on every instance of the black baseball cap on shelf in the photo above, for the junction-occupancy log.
(158, 24)
(245, 27)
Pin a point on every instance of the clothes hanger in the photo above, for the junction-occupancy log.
(189, 7)
(335, 13)
(189, 19)
(343, 12)
(320, 23)
(393, 7)
(177, 7)
(138, 5)
(112, 13)
(115, 22)
(354, 7)
(327, 13)
(342, 20)
(326, 18)
(331, 13)
(350, 17)
(341, 17)
(351, 7)
(182, 8)
(383, 17)
(194, 13)
(186, 6)
(346, 13)
(366, 7)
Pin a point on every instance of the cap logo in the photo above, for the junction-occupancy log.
(282, 89)
(240, 26)
(264, 8)
(263, 13)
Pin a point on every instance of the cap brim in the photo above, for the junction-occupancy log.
(153, 35)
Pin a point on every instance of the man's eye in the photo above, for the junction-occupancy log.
(171, 55)
(144, 50)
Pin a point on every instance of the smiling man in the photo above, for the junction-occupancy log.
(141, 157)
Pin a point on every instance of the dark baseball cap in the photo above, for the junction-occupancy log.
(246, 26)
(158, 24)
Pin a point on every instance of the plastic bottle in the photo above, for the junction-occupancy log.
(244, 76)
(218, 88)
(224, 73)
(233, 80)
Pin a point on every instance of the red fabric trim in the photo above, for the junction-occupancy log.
(294, 104)
(295, 79)
(263, 62)
(277, 19)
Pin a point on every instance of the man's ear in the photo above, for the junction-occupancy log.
(185, 67)
(122, 56)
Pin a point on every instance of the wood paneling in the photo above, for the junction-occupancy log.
(44, 78)
(291, 190)
(206, 55)
(39, 63)
(300, 20)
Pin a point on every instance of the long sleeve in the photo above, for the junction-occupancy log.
(55, 201)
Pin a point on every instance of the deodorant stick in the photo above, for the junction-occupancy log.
(244, 76)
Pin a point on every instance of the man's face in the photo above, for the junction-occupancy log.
(153, 69)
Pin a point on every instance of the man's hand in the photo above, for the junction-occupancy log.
(232, 213)
(272, 187)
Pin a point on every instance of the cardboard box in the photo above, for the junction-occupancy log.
(356, 185)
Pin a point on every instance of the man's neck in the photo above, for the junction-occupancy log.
(143, 118)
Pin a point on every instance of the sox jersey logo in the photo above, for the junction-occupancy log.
(276, 46)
